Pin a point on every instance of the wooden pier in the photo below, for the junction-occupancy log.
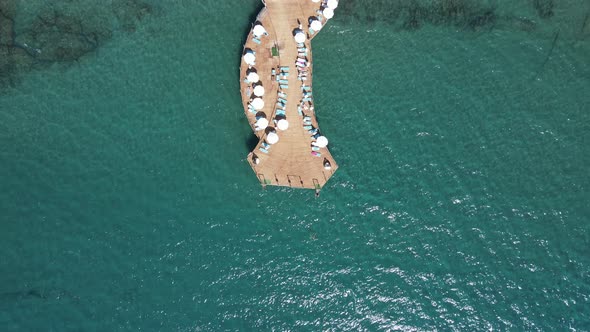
(300, 158)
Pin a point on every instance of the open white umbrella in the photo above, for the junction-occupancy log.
(249, 58)
(321, 142)
(261, 123)
(257, 103)
(316, 25)
(328, 13)
(272, 138)
(258, 30)
(315, 0)
(283, 124)
(333, 4)
(253, 77)
(300, 37)
(259, 91)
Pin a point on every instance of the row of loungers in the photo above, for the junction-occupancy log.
(314, 134)
(301, 62)
(283, 79)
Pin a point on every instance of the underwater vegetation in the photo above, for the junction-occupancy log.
(463, 14)
(57, 36)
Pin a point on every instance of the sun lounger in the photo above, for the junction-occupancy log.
(284, 81)
(285, 69)
(315, 148)
(307, 127)
(263, 150)
(315, 153)
(282, 100)
(282, 94)
(256, 40)
(284, 86)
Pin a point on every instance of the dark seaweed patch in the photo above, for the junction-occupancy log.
(544, 8)
(57, 37)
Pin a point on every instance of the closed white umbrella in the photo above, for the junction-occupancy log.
(261, 123)
(258, 30)
(333, 4)
(253, 77)
(272, 138)
(316, 25)
(300, 37)
(257, 103)
(259, 91)
(328, 13)
(249, 58)
(321, 142)
(283, 124)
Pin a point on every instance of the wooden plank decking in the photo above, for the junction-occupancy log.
(289, 162)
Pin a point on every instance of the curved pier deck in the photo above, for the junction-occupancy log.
(296, 160)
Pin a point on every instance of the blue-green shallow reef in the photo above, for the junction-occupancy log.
(461, 202)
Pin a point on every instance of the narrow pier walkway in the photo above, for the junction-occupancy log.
(276, 87)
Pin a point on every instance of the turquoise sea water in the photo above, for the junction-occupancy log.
(461, 202)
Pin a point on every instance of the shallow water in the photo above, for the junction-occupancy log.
(461, 202)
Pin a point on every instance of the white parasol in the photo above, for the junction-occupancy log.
(328, 13)
(316, 25)
(253, 77)
(257, 103)
(321, 142)
(300, 37)
(249, 58)
(259, 91)
(261, 123)
(258, 30)
(272, 138)
(283, 124)
(332, 4)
